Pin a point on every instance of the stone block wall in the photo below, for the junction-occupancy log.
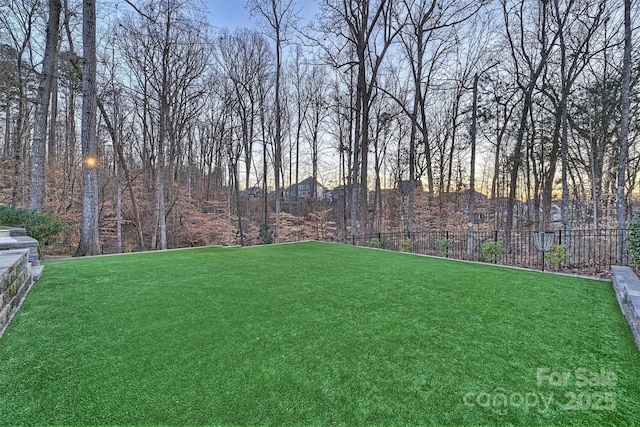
(627, 288)
(18, 239)
(15, 283)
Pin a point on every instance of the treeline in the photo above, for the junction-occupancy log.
(522, 100)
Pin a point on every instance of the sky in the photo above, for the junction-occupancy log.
(229, 13)
(232, 14)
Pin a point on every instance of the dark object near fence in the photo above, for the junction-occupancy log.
(543, 241)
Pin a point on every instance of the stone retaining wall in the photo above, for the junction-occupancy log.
(18, 239)
(627, 288)
(15, 283)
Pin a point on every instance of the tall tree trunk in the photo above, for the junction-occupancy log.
(278, 139)
(52, 143)
(517, 159)
(38, 146)
(472, 172)
(363, 203)
(356, 186)
(163, 132)
(18, 141)
(70, 141)
(564, 150)
(161, 225)
(454, 133)
(624, 134)
(595, 187)
(236, 195)
(69, 151)
(116, 165)
(89, 236)
(417, 102)
(6, 150)
(301, 116)
(550, 173)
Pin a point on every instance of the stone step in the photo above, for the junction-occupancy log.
(36, 272)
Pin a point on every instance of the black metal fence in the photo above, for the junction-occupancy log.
(587, 251)
(590, 252)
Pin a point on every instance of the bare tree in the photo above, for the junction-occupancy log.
(17, 19)
(166, 48)
(38, 145)
(89, 236)
(424, 20)
(299, 72)
(317, 89)
(419, 15)
(571, 22)
(366, 29)
(245, 61)
(529, 59)
(280, 15)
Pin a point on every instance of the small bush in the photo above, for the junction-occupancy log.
(42, 227)
(490, 250)
(265, 235)
(442, 247)
(557, 255)
(374, 243)
(406, 245)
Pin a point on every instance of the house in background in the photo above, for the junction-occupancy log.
(337, 195)
(480, 200)
(481, 205)
(254, 192)
(304, 190)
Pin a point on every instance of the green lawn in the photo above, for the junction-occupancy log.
(314, 334)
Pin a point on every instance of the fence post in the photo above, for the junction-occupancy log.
(470, 241)
(353, 239)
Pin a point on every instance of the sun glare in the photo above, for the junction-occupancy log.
(91, 162)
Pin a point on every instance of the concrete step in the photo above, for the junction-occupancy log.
(36, 272)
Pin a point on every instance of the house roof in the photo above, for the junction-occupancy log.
(308, 181)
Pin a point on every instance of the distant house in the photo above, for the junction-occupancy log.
(480, 199)
(501, 206)
(304, 190)
(255, 192)
(337, 195)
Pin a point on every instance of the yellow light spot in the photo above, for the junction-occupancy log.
(91, 162)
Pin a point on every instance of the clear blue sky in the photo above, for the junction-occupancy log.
(229, 13)
(232, 14)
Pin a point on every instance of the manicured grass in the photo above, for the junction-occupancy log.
(314, 334)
